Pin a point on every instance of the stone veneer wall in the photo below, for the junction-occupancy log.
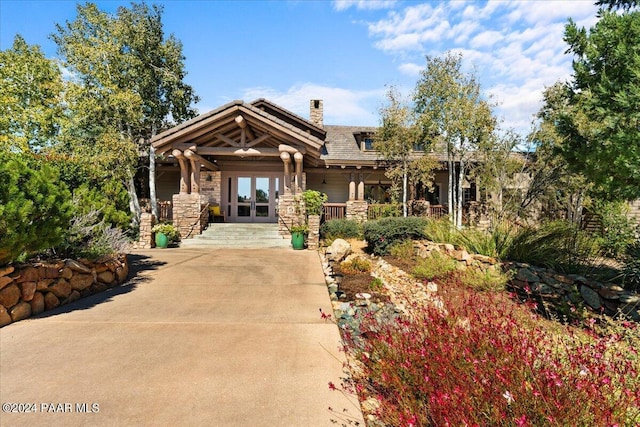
(190, 214)
(145, 239)
(357, 210)
(313, 240)
(290, 212)
(211, 186)
(27, 290)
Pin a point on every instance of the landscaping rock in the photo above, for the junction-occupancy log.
(20, 311)
(61, 289)
(338, 250)
(106, 277)
(591, 297)
(10, 296)
(28, 290)
(4, 271)
(29, 274)
(80, 281)
(122, 272)
(43, 285)
(526, 275)
(5, 317)
(37, 303)
(50, 301)
(66, 273)
(77, 266)
(4, 281)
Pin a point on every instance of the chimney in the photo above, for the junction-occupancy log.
(315, 113)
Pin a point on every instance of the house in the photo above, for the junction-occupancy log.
(251, 159)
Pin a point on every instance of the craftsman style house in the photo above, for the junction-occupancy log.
(250, 159)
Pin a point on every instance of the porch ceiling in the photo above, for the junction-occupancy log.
(239, 129)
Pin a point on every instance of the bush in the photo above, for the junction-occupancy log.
(110, 200)
(618, 230)
(35, 207)
(440, 231)
(490, 279)
(494, 243)
(382, 234)
(90, 237)
(434, 266)
(313, 201)
(402, 250)
(355, 266)
(341, 229)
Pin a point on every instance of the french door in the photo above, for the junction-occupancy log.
(253, 197)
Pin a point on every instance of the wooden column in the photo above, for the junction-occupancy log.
(298, 157)
(195, 170)
(352, 186)
(184, 171)
(286, 159)
(360, 186)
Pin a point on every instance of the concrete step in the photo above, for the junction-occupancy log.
(237, 235)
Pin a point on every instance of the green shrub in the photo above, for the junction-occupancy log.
(434, 266)
(35, 207)
(387, 210)
(355, 266)
(110, 199)
(402, 250)
(618, 230)
(313, 201)
(485, 280)
(383, 233)
(168, 229)
(493, 243)
(341, 229)
(441, 231)
(376, 285)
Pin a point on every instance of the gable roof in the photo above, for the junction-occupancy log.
(244, 126)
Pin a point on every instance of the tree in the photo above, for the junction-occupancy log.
(450, 108)
(397, 140)
(35, 207)
(30, 98)
(128, 82)
(601, 129)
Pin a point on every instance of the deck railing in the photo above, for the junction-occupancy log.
(334, 211)
(165, 210)
(438, 211)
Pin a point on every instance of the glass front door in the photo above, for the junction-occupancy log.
(255, 198)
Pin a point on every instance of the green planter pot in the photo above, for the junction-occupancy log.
(162, 241)
(297, 240)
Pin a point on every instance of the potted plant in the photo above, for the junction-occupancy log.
(165, 233)
(298, 233)
(313, 201)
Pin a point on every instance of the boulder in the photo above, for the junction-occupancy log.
(61, 289)
(80, 281)
(77, 266)
(20, 311)
(37, 303)
(591, 297)
(29, 274)
(5, 317)
(9, 296)
(6, 270)
(338, 250)
(44, 284)
(28, 290)
(526, 275)
(122, 272)
(106, 277)
(66, 273)
(4, 281)
(51, 301)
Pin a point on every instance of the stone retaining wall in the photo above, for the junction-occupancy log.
(552, 288)
(28, 290)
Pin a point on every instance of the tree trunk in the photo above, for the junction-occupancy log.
(459, 195)
(450, 166)
(152, 181)
(404, 189)
(134, 204)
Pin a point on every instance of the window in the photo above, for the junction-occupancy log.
(419, 146)
(433, 197)
(367, 144)
(469, 194)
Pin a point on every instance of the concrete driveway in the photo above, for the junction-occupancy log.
(200, 337)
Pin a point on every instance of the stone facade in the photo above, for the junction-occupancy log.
(190, 214)
(211, 186)
(357, 210)
(313, 240)
(145, 240)
(28, 290)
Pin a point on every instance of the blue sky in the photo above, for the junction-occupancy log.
(343, 51)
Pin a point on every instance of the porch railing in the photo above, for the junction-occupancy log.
(438, 211)
(165, 210)
(334, 211)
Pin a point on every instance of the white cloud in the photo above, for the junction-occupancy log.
(410, 69)
(341, 5)
(341, 106)
(485, 39)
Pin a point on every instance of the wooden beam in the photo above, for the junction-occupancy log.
(292, 150)
(206, 163)
(242, 152)
(258, 140)
(242, 122)
(227, 140)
